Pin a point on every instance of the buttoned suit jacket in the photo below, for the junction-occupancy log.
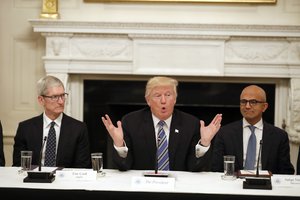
(139, 135)
(275, 150)
(73, 145)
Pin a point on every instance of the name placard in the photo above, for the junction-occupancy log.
(286, 180)
(76, 175)
(153, 183)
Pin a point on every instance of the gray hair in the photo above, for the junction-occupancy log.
(47, 82)
(160, 81)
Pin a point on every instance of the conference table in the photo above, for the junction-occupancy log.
(119, 185)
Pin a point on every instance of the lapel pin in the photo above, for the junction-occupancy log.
(176, 131)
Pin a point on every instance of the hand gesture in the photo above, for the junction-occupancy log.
(116, 133)
(208, 132)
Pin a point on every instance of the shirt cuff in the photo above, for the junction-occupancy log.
(201, 150)
(122, 151)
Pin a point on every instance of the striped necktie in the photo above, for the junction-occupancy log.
(251, 150)
(162, 149)
(50, 157)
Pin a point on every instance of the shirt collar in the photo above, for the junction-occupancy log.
(258, 125)
(47, 120)
(167, 121)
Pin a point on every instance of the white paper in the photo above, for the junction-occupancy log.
(153, 183)
(286, 180)
(76, 175)
(45, 169)
(253, 172)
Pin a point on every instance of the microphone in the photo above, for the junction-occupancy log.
(258, 159)
(258, 182)
(156, 160)
(39, 176)
(41, 153)
(156, 174)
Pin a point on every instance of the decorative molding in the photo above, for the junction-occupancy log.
(257, 51)
(61, 26)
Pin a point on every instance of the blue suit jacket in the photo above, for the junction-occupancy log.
(275, 155)
(139, 135)
(73, 145)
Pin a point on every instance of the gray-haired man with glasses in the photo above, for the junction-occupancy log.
(68, 136)
(234, 138)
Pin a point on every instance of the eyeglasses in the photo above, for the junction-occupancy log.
(57, 97)
(252, 102)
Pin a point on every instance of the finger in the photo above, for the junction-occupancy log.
(217, 119)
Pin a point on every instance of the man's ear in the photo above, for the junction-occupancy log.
(266, 105)
(148, 101)
(40, 100)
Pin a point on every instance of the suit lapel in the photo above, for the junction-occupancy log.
(239, 137)
(62, 136)
(149, 135)
(174, 136)
(267, 146)
(38, 129)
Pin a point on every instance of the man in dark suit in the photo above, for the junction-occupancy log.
(298, 163)
(137, 137)
(2, 157)
(71, 142)
(232, 139)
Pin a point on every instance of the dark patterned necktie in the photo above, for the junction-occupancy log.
(162, 149)
(251, 150)
(50, 157)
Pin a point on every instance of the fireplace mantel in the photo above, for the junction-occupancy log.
(192, 50)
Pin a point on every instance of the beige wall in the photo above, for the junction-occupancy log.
(21, 50)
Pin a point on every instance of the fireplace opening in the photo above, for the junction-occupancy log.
(201, 99)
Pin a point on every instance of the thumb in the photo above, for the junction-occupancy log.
(202, 124)
(119, 124)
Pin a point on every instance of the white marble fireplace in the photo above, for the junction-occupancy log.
(78, 50)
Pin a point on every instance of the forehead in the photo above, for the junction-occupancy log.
(55, 90)
(162, 88)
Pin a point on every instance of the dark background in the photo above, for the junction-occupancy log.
(201, 99)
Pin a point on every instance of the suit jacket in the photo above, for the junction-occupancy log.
(2, 157)
(275, 151)
(298, 163)
(139, 135)
(73, 145)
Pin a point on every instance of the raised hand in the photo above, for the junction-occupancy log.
(208, 132)
(116, 133)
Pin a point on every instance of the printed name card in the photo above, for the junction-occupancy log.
(286, 180)
(153, 183)
(76, 175)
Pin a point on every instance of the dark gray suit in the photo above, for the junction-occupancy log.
(139, 135)
(73, 145)
(275, 154)
(298, 163)
(2, 157)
